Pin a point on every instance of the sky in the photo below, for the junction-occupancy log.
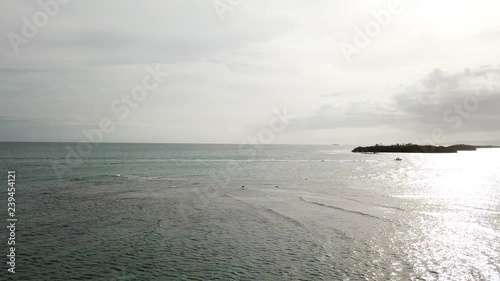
(227, 71)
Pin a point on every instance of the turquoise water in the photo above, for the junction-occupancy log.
(178, 212)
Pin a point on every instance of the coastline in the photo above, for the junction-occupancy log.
(415, 148)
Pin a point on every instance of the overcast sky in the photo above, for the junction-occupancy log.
(429, 68)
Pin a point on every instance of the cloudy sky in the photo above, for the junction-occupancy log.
(426, 70)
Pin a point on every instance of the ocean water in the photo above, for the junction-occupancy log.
(179, 212)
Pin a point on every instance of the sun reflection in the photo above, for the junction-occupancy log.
(456, 235)
(461, 178)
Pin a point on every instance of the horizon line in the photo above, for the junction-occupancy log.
(221, 143)
(218, 143)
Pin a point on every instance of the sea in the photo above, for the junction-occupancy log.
(233, 212)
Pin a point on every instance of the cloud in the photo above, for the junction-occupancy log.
(473, 95)
(229, 75)
(336, 94)
(439, 100)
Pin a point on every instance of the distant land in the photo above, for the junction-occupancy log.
(487, 146)
(415, 148)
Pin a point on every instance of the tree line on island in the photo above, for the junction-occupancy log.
(415, 148)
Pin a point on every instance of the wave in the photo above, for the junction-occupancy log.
(132, 177)
(374, 204)
(93, 178)
(269, 210)
(345, 210)
(116, 161)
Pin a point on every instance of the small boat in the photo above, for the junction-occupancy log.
(398, 159)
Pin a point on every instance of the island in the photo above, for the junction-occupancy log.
(415, 148)
(487, 146)
(463, 147)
